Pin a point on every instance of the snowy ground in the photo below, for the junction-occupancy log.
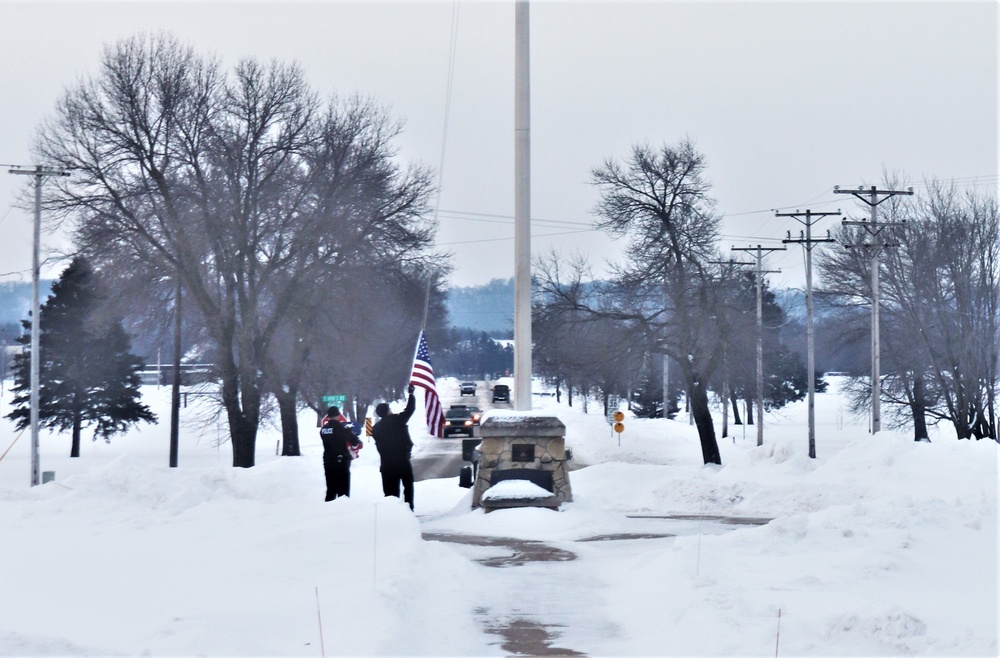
(878, 547)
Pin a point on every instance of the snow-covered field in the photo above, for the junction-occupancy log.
(879, 546)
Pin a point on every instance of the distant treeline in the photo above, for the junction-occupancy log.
(15, 299)
(488, 308)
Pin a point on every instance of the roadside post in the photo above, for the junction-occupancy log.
(612, 407)
(618, 425)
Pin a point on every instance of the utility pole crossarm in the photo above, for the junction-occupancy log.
(870, 245)
(810, 219)
(743, 263)
(873, 194)
(807, 241)
(37, 171)
(867, 222)
(808, 213)
(730, 262)
(873, 228)
(758, 250)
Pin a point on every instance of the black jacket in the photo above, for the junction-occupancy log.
(392, 437)
(335, 439)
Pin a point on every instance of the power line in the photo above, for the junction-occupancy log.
(15, 202)
(748, 237)
(447, 103)
(500, 218)
(471, 215)
(967, 181)
(507, 219)
(540, 235)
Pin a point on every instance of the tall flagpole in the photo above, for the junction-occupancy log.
(423, 322)
(427, 303)
(522, 211)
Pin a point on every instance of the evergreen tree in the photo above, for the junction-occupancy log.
(87, 373)
(785, 376)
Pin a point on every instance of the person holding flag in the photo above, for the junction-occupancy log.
(391, 434)
(392, 440)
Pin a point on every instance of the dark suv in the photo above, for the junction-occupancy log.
(501, 393)
(458, 421)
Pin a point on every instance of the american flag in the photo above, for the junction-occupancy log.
(423, 376)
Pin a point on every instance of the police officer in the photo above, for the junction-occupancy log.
(338, 442)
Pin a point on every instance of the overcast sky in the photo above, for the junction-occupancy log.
(784, 99)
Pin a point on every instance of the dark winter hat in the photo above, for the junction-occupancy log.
(333, 412)
(382, 409)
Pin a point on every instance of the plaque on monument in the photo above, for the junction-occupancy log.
(522, 452)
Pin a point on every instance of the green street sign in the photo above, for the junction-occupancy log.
(334, 401)
(329, 401)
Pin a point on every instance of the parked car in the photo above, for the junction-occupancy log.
(475, 412)
(467, 388)
(501, 393)
(458, 421)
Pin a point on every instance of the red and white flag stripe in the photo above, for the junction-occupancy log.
(422, 375)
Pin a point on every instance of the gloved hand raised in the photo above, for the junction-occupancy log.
(409, 389)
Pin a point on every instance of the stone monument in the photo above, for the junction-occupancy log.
(523, 449)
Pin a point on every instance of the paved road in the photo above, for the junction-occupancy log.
(444, 458)
(444, 462)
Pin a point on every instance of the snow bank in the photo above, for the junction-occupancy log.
(879, 546)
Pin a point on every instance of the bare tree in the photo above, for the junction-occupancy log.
(366, 213)
(600, 351)
(227, 182)
(941, 279)
(558, 319)
(659, 199)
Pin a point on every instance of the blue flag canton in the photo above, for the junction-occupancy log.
(422, 352)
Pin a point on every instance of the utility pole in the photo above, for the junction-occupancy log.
(874, 228)
(758, 251)
(40, 173)
(666, 358)
(522, 210)
(808, 241)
